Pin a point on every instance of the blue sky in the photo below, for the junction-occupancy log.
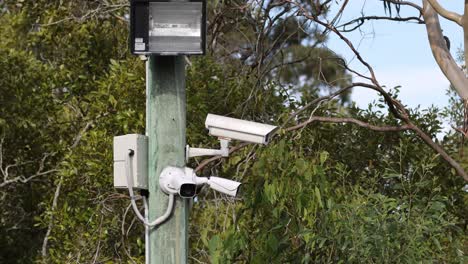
(399, 53)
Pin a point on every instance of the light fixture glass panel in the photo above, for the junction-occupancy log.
(175, 27)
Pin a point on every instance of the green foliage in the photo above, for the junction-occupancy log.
(301, 207)
(26, 136)
(328, 193)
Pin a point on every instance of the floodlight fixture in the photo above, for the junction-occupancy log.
(163, 27)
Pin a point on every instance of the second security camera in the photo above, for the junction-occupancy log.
(238, 129)
(183, 181)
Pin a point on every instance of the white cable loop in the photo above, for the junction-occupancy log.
(144, 220)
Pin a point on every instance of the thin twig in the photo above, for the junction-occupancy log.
(349, 120)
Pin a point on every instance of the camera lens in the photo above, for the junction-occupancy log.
(187, 190)
(238, 192)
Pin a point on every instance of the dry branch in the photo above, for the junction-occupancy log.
(360, 21)
(349, 120)
(5, 171)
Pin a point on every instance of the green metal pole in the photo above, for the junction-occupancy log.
(166, 115)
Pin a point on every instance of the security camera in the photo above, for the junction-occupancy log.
(222, 185)
(227, 128)
(238, 129)
(174, 180)
(183, 181)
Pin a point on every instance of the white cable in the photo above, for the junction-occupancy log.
(147, 231)
(158, 221)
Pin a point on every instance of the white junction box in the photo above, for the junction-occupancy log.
(139, 161)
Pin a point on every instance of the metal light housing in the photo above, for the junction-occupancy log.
(167, 27)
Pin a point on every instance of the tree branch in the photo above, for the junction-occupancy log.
(328, 97)
(446, 13)
(349, 120)
(395, 107)
(458, 168)
(360, 21)
(23, 179)
(51, 222)
(87, 127)
(441, 54)
(409, 126)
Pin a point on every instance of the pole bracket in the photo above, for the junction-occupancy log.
(197, 152)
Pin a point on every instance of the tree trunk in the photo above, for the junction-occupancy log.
(441, 54)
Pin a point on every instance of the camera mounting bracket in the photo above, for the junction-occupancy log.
(197, 152)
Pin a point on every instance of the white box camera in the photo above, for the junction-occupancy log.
(238, 129)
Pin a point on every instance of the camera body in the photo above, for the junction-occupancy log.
(238, 129)
(184, 181)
